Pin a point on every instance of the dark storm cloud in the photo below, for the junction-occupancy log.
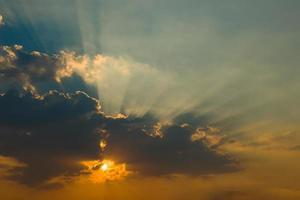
(52, 133)
(173, 153)
(49, 133)
(29, 110)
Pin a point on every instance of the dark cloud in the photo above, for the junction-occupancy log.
(173, 153)
(49, 133)
(52, 133)
(27, 109)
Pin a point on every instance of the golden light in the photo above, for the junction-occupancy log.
(102, 144)
(105, 170)
(104, 167)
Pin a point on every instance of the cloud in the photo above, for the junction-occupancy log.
(27, 68)
(1, 21)
(172, 153)
(111, 76)
(53, 133)
(28, 109)
(209, 135)
(38, 72)
(296, 148)
(236, 73)
(49, 133)
(120, 81)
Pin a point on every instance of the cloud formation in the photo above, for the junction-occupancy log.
(201, 70)
(111, 76)
(52, 133)
(27, 68)
(49, 133)
(173, 153)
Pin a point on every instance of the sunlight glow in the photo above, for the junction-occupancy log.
(105, 170)
(104, 167)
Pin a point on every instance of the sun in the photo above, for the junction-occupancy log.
(104, 167)
(105, 170)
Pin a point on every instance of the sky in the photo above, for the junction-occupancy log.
(149, 99)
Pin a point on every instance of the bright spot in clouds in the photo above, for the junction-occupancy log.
(104, 167)
(1, 20)
(105, 170)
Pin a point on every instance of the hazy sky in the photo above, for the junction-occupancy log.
(149, 99)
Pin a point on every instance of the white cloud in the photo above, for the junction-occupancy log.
(1, 20)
